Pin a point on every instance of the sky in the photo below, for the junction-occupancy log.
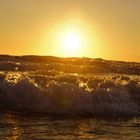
(109, 29)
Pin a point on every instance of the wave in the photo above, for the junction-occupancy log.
(61, 93)
(67, 65)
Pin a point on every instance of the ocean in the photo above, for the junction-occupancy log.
(27, 127)
(68, 98)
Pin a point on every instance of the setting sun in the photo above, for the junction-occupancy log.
(74, 38)
(71, 41)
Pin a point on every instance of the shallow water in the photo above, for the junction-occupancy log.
(17, 127)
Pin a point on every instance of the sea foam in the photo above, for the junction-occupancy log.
(61, 93)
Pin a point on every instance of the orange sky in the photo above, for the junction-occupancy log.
(111, 28)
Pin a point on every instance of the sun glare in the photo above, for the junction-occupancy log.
(70, 39)
(71, 42)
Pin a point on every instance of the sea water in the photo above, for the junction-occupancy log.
(27, 127)
(69, 99)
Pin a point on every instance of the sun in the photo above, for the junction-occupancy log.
(71, 43)
(69, 40)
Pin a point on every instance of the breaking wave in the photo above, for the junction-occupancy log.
(55, 92)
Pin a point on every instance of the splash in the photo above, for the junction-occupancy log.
(57, 92)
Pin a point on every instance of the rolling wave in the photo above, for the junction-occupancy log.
(57, 92)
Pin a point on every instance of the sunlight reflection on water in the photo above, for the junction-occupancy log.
(14, 127)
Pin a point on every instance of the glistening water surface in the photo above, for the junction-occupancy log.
(22, 127)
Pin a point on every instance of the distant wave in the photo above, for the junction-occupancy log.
(67, 65)
(57, 92)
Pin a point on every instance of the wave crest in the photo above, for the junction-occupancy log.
(63, 93)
